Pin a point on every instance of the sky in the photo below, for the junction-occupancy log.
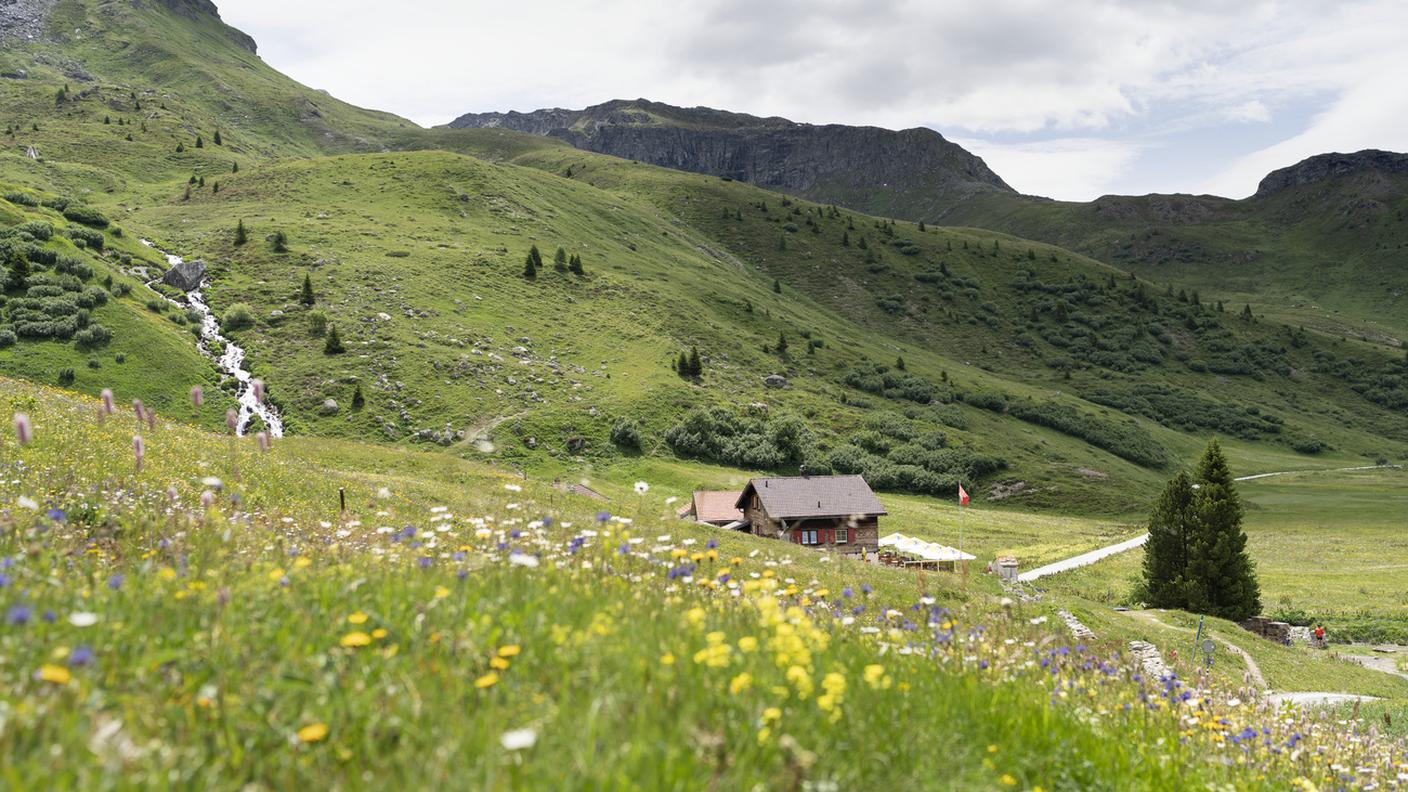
(1070, 99)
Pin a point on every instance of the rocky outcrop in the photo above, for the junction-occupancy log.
(185, 276)
(1327, 166)
(194, 9)
(898, 172)
(24, 19)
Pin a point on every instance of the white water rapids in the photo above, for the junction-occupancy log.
(230, 361)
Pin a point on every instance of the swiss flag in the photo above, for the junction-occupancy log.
(962, 496)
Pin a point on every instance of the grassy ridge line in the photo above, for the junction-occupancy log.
(222, 646)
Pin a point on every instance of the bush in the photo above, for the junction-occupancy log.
(237, 317)
(722, 435)
(39, 230)
(881, 381)
(317, 323)
(1127, 441)
(85, 215)
(21, 199)
(7, 337)
(1308, 445)
(625, 434)
(66, 376)
(86, 236)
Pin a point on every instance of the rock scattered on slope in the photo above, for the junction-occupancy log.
(185, 276)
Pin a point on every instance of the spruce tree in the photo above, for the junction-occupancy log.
(781, 343)
(530, 270)
(333, 346)
(358, 400)
(1171, 526)
(776, 286)
(899, 363)
(845, 239)
(234, 167)
(696, 366)
(682, 366)
(307, 297)
(200, 142)
(180, 147)
(218, 141)
(559, 260)
(575, 265)
(280, 242)
(922, 229)
(240, 236)
(1224, 577)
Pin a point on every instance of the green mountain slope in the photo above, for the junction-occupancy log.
(1047, 377)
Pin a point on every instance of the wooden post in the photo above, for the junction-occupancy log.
(342, 500)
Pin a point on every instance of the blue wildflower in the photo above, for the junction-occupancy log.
(847, 592)
(115, 582)
(18, 616)
(711, 544)
(602, 516)
(424, 562)
(82, 655)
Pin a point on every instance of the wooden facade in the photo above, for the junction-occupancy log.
(799, 515)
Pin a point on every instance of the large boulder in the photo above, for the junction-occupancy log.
(185, 276)
(775, 381)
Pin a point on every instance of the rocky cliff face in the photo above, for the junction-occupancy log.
(867, 168)
(1326, 166)
(192, 9)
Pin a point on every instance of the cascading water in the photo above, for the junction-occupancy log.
(230, 361)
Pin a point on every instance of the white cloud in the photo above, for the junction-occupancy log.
(1069, 169)
(1079, 70)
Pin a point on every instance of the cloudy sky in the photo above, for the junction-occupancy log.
(1067, 98)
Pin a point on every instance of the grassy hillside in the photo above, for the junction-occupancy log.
(181, 631)
(1330, 255)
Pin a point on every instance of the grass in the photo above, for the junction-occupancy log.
(268, 639)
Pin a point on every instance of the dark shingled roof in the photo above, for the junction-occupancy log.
(814, 496)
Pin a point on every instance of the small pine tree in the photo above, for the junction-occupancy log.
(234, 167)
(776, 286)
(201, 181)
(333, 345)
(696, 366)
(899, 363)
(180, 147)
(61, 96)
(575, 265)
(241, 236)
(307, 297)
(220, 142)
(559, 260)
(781, 344)
(530, 269)
(107, 120)
(280, 242)
(845, 239)
(358, 400)
(200, 142)
(682, 365)
(1171, 528)
(922, 229)
(1247, 313)
(215, 188)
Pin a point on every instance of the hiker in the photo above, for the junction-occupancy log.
(1319, 636)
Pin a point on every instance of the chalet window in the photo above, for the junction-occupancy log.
(843, 535)
(810, 538)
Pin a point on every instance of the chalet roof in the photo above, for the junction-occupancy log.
(712, 506)
(814, 496)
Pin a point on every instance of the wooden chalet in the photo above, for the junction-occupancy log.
(837, 513)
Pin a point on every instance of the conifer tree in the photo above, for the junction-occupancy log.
(1171, 526)
(845, 239)
(575, 265)
(559, 260)
(307, 297)
(358, 400)
(1247, 313)
(530, 269)
(696, 366)
(201, 181)
(333, 346)
(922, 229)
(280, 242)
(682, 366)
(781, 343)
(1225, 582)
(776, 286)
(180, 147)
(899, 363)
(200, 142)
(220, 142)
(234, 167)
(240, 236)
(215, 188)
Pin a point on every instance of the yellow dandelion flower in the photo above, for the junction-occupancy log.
(772, 714)
(511, 650)
(313, 732)
(992, 749)
(357, 618)
(276, 574)
(166, 573)
(379, 633)
(441, 592)
(303, 562)
(873, 674)
(667, 659)
(355, 639)
(740, 683)
(1008, 780)
(498, 663)
(487, 681)
(747, 644)
(56, 674)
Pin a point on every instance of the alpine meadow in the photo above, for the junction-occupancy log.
(656, 447)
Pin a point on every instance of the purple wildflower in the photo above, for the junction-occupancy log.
(18, 616)
(82, 655)
(115, 582)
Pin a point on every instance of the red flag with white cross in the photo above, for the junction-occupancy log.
(962, 496)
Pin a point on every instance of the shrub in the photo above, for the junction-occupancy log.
(238, 317)
(87, 236)
(722, 435)
(625, 434)
(85, 215)
(66, 376)
(7, 337)
(1127, 441)
(94, 335)
(21, 199)
(880, 380)
(317, 323)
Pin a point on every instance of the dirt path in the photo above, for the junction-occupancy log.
(1253, 669)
